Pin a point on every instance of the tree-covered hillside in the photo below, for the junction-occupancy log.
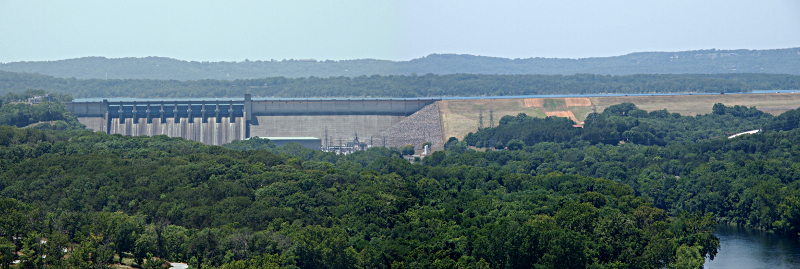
(101, 197)
(678, 163)
(46, 115)
(400, 86)
(777, 61)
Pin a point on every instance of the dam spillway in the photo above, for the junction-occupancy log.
(220, 121)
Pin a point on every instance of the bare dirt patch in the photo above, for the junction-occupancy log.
(534, 102)
(578, 101)
(563, 114)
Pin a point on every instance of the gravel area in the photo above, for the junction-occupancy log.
(416, 129)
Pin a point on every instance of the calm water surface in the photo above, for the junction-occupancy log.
(749, 248)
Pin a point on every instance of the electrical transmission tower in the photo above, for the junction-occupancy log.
(480, 120)
(491, 118)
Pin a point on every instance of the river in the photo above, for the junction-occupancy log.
(750, 248)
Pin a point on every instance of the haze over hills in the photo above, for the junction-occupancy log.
(429, 85)
(775, 61)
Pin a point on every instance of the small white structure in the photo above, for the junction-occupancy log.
(178, 265)
(744, 133)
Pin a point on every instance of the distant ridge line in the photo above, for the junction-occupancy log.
(711, 61)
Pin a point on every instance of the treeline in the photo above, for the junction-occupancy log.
(776, 61)
(77, 199)
(401, 86)
(52, 115)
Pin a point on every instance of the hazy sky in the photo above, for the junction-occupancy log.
(33, 30)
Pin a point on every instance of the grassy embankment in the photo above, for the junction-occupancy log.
(459, 117)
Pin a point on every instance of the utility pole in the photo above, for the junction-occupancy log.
(326, 137)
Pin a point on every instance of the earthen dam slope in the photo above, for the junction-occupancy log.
(460, 117)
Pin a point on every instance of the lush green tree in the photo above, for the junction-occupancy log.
(515, 144)
(407, 150)
(688, 257)
(7, 249)
(321, 247)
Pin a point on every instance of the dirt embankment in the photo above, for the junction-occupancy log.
(460, 117)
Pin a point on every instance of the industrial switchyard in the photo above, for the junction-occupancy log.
(342, 124)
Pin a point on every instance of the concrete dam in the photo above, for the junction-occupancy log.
(216, 121)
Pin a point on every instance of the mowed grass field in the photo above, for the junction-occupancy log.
(460, 117)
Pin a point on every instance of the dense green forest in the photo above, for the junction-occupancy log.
(750, 180)
(575, 198)
(98, 195)
(78, 199)
(400, 86)
(776, 61)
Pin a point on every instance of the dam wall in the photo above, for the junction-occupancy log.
(213, 122)
(340, 118)
(343, 127)
(210, 132)
(339, 106)
(220, 121)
